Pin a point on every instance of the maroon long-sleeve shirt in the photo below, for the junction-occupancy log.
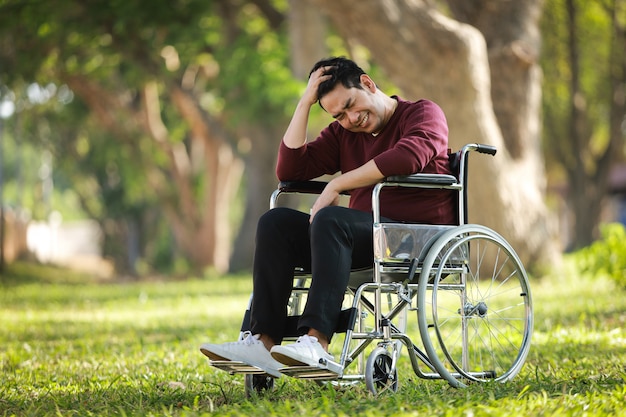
(415, 139)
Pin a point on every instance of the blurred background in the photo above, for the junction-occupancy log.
(139, 138)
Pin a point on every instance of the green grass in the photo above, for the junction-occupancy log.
(70, 346)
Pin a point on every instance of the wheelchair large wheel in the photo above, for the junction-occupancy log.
(475, 314)
(380, 373)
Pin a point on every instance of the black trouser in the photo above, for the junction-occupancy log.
(338, 239)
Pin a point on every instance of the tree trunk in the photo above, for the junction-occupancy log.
(588, 172)
(207, 237)
(199, 219)
(307, 29)
(449, 62)
(260, 162)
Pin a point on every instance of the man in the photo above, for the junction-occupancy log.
(373, 136)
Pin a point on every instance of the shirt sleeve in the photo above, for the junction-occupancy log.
(314, 159)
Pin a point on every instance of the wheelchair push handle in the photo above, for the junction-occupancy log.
(488, 149)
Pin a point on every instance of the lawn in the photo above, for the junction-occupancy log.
(74, 347)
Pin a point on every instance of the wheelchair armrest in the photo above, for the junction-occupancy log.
(306, 187)
(425, 179)
(316, 187)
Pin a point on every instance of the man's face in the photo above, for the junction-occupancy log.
(357, 110)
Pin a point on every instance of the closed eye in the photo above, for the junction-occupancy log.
(349, 102)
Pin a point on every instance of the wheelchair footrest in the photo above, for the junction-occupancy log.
(330, 371)
(235, 367)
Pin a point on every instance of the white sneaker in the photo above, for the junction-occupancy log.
(250, 350)
(307, 351)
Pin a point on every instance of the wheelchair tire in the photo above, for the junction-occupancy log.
(380, 374)
(476, 322)
(257, 383)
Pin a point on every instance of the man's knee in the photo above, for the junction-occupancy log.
(272, 218)
(331, 220)
(329, 215)
(281, 222)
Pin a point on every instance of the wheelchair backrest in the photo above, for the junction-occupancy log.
(459, 167)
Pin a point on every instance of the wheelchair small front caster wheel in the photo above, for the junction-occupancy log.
(257, 383)
(379, 375)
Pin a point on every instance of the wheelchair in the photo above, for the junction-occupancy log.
(465, 283)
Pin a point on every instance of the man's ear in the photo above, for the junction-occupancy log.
(368, 83)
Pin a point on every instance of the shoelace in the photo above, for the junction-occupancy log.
(248, 338)
(311, 340)
(307, 340)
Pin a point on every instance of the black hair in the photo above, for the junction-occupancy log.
(343, 70)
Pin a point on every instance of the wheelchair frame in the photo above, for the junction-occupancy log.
(472, 294)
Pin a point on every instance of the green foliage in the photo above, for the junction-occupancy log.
(606, 256)
(229, 56)
(593, 62)
(77, 349)
(248, 94)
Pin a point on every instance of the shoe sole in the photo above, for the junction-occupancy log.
(213, 356)
(288, 360)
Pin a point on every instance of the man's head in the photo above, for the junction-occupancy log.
(342, 70)
(351, 96)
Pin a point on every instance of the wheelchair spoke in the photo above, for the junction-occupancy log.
(482, 319)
